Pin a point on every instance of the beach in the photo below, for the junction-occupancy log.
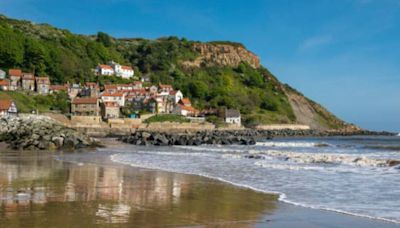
(87, 189)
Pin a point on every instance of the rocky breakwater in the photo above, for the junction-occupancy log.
(33, 132)
(191, 139)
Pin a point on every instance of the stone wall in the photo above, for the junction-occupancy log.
(283, 127)
(85, 120)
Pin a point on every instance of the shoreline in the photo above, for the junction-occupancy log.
(281, 197)
(247, 207)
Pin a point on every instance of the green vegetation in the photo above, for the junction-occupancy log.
(167, 118)
(27, 103)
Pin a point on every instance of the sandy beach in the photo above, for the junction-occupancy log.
(39, 189)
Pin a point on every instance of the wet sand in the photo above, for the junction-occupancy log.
(40, 189)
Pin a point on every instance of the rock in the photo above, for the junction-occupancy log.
(58, 141)
(32, 132)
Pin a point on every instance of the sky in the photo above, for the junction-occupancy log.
(344, 54)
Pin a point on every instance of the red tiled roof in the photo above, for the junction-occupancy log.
(85, 100)
(28, 76)
(42, 80)
(173, 92)
(126, 68)
(15, 72)
(185, 101)
(112, 95)
(187, 108)
(110, 86)
(105, 67)
(5, 104)
(162, 86)
(58, 87)
(92, 84)
(4, 82)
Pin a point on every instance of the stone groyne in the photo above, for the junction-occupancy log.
(31, 132)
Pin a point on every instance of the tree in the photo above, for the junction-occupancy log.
(35, 56)
(104, 38)
(198, 89)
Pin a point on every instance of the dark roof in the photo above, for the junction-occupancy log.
(231, 113)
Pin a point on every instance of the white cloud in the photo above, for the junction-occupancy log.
(315, 42)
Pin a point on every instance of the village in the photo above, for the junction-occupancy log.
(91, 103)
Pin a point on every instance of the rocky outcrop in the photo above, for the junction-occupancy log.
(222, 55)
(32, 132)
(227, 137)
(147, 138)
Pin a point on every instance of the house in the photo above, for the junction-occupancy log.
(232, 116)
(7, 107)
(114, 97)
(85, 106)
(150, 104)
(176, 96)
(91, 89)
(137, 85)
(185, 110)
(58, 88)
(110, 110)
(153, 89)
(2, 74)
(185, 102)
(125, 87)
(121, 71)
(110, 88)
(28, 82)
(74, 90)
(165, 89)
(15, 78)
(145, 78)
(104, 70)
(4, 84)
(42, 85)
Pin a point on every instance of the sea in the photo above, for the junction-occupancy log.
(355, 175)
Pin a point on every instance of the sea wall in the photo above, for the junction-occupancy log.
(176, 127)
(283, 127)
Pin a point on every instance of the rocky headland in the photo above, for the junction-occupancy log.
(31, 132)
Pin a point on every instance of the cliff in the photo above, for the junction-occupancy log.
(214, 54)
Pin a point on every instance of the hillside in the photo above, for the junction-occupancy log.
(213, 75)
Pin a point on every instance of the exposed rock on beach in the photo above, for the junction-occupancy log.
(31, 132)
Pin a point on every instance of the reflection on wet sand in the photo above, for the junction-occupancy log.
(36, 190)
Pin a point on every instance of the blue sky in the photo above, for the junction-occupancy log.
(344, 54)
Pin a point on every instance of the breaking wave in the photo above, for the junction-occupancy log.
(292, 144)
(325, 158)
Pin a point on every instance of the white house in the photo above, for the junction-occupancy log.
(232, 116)
(2, 74)
(184, 110)
(4, 84)
(176, 95)
(114, 97)
(105, 70)
(121, 71)
(8, 107)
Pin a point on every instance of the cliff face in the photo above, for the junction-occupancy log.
(222, 55)
(312, 114)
